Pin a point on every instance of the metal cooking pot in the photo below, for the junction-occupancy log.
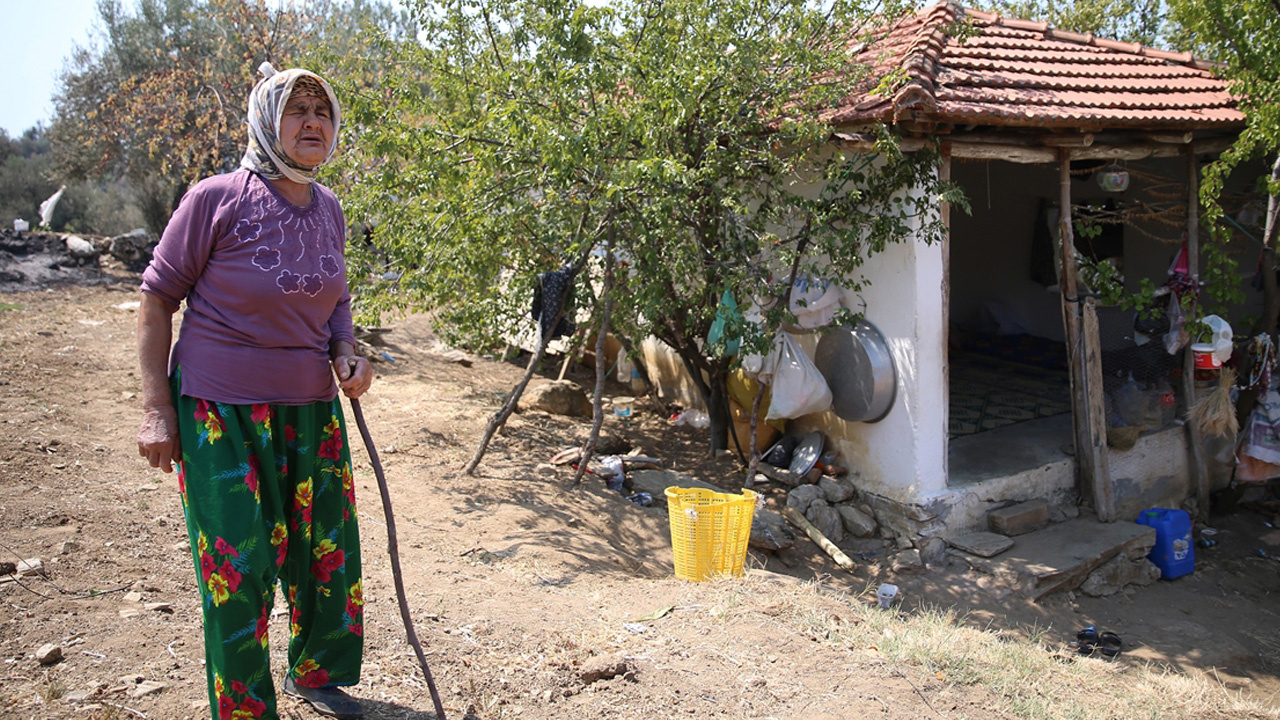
(859, 370)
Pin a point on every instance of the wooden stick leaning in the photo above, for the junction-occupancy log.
(394, 550)
(817, 537)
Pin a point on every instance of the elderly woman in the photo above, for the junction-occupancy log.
(246, 404)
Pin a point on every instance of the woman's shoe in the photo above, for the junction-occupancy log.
(329, 701)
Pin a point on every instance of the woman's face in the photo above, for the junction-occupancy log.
(306, 129)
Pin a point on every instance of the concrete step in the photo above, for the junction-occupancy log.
(1060, 557)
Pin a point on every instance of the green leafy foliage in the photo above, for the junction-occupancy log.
(160, 99)
(1245, 36)
(1142, 21)
(27, 178)
(686, 136)
(24, 175)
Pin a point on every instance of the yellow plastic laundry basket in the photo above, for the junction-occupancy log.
(709, 531)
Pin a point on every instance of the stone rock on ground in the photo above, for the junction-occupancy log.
(49, 654)
(604, 669)
(610, 443)
(79, 696)
(133, 248)
(80, 248)
(856, 522)
(770, 532)
(933, 551)
(837, 490)
(826, 519)
(982, 544)
(1118, 573)
(558, 397)
(146, 687)
(804, 496)
(1019, 519)
(908, 561)
(1062, 556)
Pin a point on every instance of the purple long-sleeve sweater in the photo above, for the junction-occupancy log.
(266, 291)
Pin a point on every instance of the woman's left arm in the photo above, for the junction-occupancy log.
(355, 374)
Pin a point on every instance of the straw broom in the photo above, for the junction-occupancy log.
(1214, 413)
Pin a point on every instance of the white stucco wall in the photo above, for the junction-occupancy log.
(902, 457)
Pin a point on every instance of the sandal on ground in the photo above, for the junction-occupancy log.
(329, 701)
(1086, 641)
(1109, 644)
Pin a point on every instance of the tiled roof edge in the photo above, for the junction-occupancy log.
(920, 61)
(987, 18)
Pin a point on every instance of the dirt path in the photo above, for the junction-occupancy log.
(528, 595)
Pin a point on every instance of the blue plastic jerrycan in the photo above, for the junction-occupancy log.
(1174, 552)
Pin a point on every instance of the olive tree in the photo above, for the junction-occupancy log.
(158, 97)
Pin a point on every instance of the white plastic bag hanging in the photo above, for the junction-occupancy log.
(814, 302)
(1220, 337)
(797, 386)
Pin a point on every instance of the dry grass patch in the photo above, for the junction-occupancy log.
(1035, 678)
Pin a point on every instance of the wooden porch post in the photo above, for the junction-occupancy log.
(944, 174)
(1084, 354)
(1195, 438)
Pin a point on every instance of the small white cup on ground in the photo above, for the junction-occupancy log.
(886, 593)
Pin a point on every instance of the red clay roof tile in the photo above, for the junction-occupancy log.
(1023, 73)
(959, 77)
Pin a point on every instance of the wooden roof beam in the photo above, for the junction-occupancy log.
(1172, 138)
(1079, 140)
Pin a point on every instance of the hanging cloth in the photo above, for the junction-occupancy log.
(551, 287)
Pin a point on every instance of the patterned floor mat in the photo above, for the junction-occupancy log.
(987, 393)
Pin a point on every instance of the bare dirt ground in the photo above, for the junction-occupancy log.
(530, 596)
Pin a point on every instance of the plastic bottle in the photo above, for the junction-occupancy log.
(1131, 403)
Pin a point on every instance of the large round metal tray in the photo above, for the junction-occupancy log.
(806, 453)
(859, 369)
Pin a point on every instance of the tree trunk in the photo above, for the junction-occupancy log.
(1271, 298)
(509, 406)
(718, 408)
(597, 401)
(709, 378)
(754, 461)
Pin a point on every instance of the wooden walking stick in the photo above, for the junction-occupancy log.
(394, 551)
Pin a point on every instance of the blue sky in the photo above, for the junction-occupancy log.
(38, 36)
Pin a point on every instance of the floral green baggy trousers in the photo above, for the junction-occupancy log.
(268, 495)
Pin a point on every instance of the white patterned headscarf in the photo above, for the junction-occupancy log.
(265, 154)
